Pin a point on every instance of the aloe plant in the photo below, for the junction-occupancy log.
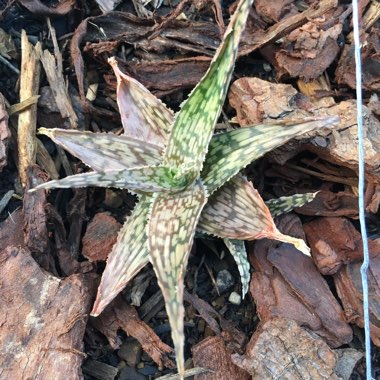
(186, 179)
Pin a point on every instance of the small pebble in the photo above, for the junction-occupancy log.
(113, 199)
(320, 141)
(224, 280)
(235, 298)
(267, 67)
(122, 364)
(130, 351)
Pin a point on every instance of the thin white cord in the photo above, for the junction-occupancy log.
(361, 183)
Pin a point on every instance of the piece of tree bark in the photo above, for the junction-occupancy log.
(212, 353)
(27, 120)
(274, 11)
(285, 26)
(345, 72)
(45, 161)
(349, 288)
(119, 315)
(328, 203)
(43, 319)
(186, 36)
(11, 231)
(175, 74)
(25, 104)
(39, 8)
(35, 219)
(347, 360)
(100, 236)
(53, 67)
(335, 242)
(287, 284)
(5, 134)
(303, 278)
(308, 51)
(281, 349)
(256, 101)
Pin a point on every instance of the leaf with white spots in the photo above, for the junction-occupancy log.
(232, 151)
(143, 116)
(106, 151)
(128, 256)
(286, 204)
(171, 229)
(237, 211)
(239, 253)
(148, 179)
(194, 124)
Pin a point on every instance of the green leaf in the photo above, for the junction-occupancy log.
(148, 179)
(239, 253)
(194, 124)
(231, 151)
(143, 116)
(102, 151)
(237, 211)
(128, 256)
(170, 233)
(283, 205)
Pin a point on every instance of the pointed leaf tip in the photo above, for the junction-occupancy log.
(128, 256)
(106, 151)
(194, 124)
(282, 205)
(232, 151)
(147, 179)
(171, 230)
(143, 115)
(239, 253)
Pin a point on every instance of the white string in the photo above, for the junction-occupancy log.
(361, 183)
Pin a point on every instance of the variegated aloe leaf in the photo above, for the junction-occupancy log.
(171, 230)
(194, 124)
(103, 151)
(143, 115)
(148, 179)
(174, 218)
(239, 253)
(231, 151)
(244, 216)
(286, 204)
(128, 256)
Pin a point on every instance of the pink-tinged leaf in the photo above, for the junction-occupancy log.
(239, 253)
(237, 211)
(143, 116)
(128, 256)
(103, 151)
(171, 229)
